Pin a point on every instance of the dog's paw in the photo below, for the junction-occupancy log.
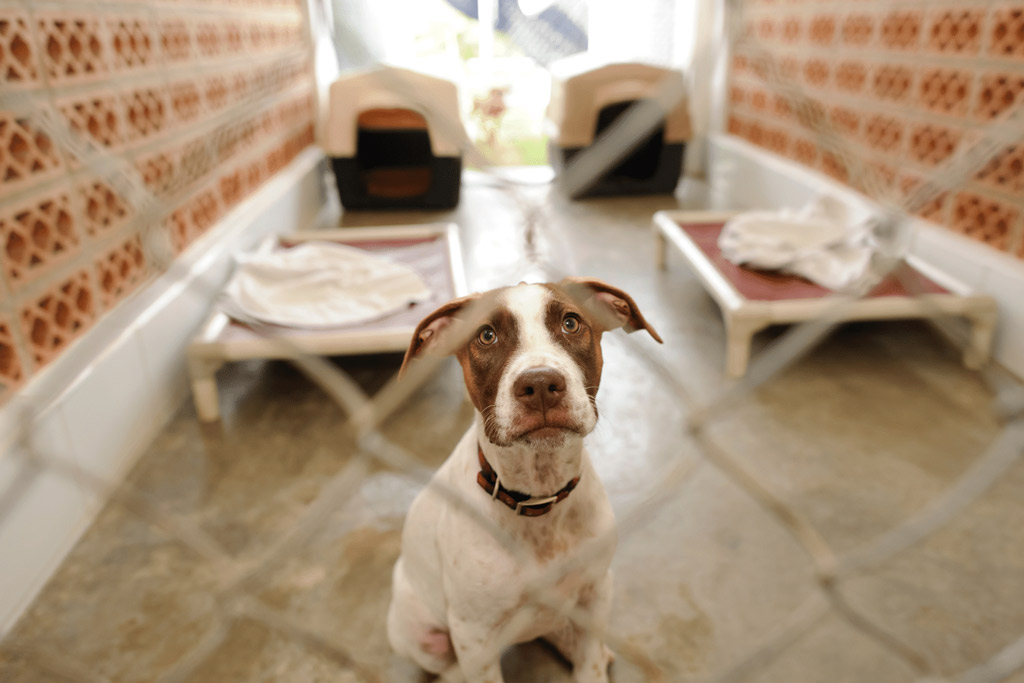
(436, 643)
(609, 656)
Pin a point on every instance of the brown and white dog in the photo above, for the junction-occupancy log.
(532, 364)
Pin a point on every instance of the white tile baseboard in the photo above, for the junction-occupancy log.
(743, 176)
(95, 408)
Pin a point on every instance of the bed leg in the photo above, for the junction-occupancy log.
(660, 248)
(983, 327)
(738, 334)
(203, 374)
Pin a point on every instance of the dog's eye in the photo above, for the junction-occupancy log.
(571, 324)
(487, 336)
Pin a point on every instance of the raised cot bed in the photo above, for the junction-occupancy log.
(752, 300)
(432, 250)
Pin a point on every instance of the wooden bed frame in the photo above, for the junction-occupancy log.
(751, 301)
(222, 340)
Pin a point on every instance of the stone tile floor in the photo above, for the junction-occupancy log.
(860, 433)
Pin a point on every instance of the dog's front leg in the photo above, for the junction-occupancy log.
(478, 657)
(582, 643)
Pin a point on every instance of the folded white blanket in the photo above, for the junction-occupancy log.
(320, 285)
(823, 242)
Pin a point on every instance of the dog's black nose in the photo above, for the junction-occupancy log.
(539, 388)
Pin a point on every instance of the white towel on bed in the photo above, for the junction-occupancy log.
(320, 285)
(824, 242)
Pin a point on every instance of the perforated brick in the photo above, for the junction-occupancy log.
(1005, 171)
(195, 162)
(816, 72)
(946, 91)
(792, 30)
(810, 112)
(931, 144)
(984, 219)
(240, 85)
(997, 92)
(97, 117)
(776, 140)
(805, 151)
(934, 209)
(277, 158)
(179, 230)
(194, 218)
(781, 108)
(759, 102)
(902, 30)
(255, 175)
(259, 38)
(186, 102)
(52, 321)
(17, 51)
(234, 37)
(754, 134)
(858, 29)
(737, 95)
(215, 93)
(833, 167)
(175, 40)
(231, 187)
(209, 39)
(882, 173)
(36, 237)
(73, 46)
(822, 30)
(883, 132)
(851, 76)
(131, 42)
(955, 31)
(736, 126)
(789, 67)
(11, 368)
(204, 210)
(102, 210)
(120, 271)
(145, 113)
(1007, 32)
(892, 82)
(846, 121)
(25, 151)
(159, 171)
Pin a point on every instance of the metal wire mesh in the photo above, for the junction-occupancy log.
(240, 578)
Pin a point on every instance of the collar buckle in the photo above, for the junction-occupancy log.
(523, 505)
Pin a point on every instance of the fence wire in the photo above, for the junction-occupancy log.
(241, 576)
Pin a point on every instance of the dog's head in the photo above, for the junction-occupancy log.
(531, 354)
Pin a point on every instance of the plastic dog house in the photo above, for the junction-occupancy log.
(587, 101)
(392, 139)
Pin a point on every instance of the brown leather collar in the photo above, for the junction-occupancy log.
(521, 503)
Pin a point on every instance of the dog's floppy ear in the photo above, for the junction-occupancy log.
(610, 306)
(430, 332)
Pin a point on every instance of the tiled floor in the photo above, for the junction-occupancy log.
(856, 436)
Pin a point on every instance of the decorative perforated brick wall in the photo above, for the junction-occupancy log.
(903, 83)
(201, 100)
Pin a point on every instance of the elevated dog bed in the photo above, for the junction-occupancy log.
(433, 251)
(585, 102)
(390, 140)
(753, 300)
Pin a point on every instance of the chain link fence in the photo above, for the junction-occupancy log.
(240, 579)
